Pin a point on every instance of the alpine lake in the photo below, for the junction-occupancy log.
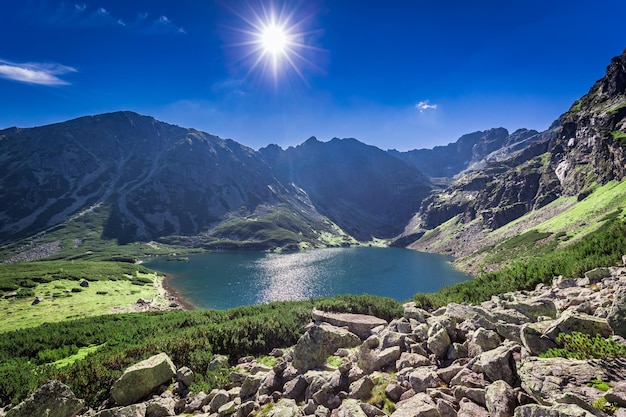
(231, 279)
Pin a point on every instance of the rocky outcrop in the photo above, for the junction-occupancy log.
(459, 360)
(142, 378)
(54, 399)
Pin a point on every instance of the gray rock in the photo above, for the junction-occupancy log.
(251, 385)
(372, 359)
(411, 360)
(217, 362)
(509, 331)
(468, 378)
(500, 399)
(446, 374)
(359, 324)
(423, 378)
(561, 410)
(362, 388)
(617, 394)
(498, 363)
(534, 308)
(456, 351)
(534, 338)
(185, 375)
(445, 408)
(617, 313)
(394, 392)
(598, 274)
(468, 408)
(572, 321)
(419, 405)
(271, 382)
(53, 399)
(245, 409)
(319, 342)
(371, 410)
(351, 408)
(439, 342)
(227, 409)
(142, 378)
(295, 388)
(548, 380)
(411, 311)
(482, 340)
(220, 398)
(134, 410)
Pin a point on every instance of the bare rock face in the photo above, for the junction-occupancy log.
(617, 314)
(142, 378)
(54, 399)
(319, 342)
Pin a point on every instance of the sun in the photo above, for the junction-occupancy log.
(274, 40)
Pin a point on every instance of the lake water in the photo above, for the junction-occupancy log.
(231, 279)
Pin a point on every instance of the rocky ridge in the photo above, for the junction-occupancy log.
(457, 361)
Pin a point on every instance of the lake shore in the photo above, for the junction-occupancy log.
(173, 296)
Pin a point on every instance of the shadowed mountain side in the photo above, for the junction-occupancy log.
(364, 190)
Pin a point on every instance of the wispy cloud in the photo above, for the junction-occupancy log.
(425, 105)
(35, 73)
(85, 15)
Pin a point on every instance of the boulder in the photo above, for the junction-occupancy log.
(500, 399)
(135, 410)
(533, 308)
(572, 321)
(498, 363)
(411, 360)
(439, 342)
(371, 410)
(142, 378)
(468, 408)
(217, 362)
(617, 313)
(411, 311)
(351, 408)
(549, 380)
(423, 378)
(373, 359)
(53, 399)
(294, 389)
(561, 410)
(319, 342)
(534, 338)
(617, 394)
(185, 376)
(251, 385)
(220, 398)
(598, 274)
(419, 405)
(359, 324)
(362, 388)
(482, 340)
(445, 408)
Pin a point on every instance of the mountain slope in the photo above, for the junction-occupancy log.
(361, 188)
(582, 151)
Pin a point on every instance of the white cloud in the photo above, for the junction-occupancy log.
(425, 105)
(34, 73)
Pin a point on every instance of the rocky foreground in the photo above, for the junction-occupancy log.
(457, 361)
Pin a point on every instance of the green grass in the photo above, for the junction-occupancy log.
(619, 137)
(81, 354)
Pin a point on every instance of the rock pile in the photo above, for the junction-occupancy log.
(457, 361)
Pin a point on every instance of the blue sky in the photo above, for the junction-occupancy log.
(401, 74)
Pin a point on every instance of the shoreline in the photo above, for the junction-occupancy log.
(172, 295)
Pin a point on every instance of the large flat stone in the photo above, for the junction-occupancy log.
(359, 324)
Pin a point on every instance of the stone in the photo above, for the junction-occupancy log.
(572, 321)
(36, 301)
(598, 274)
(371, 410)
(616, 317)
(419, 405)
(468, 378)
(217, 362)
(423, 378)
(439, 342)
(220, 398)
(53, 399)
(446, 374)
(319, 342)
(371, 359)
(359, 324)
(482, 340)
(295, 388)
(533, 308)
(500, 399)
(84, 284)
(251, 385)
(411, 360)
(185, 375)
(445, 408)
(561, 410)
(394, 392)
(617, 394)
(134, 410)
(534, 338)
(245, 409)
(227, 409)
(362, 388)
(351, 408)
(162, 407)
(467, 408)
(142, 378)
(498, 363)
(411, 311)
(549, 379)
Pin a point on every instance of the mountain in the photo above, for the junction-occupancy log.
(138, 179)
(361, 188)
(471, 151)
(581, 152)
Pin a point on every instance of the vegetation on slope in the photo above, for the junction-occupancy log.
(30, 357)
(603, 247)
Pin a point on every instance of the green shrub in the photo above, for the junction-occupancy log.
(583, 346)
